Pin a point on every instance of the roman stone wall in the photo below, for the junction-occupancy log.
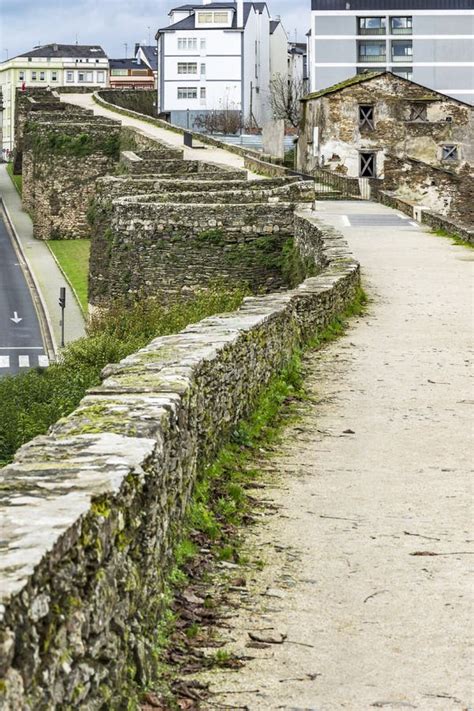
(142, 101)
(61, 163)
(90, 512)
(442, 191)
(144, 248)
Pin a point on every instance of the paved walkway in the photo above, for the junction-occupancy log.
(206, 153)
(368, 558)
(48, 275)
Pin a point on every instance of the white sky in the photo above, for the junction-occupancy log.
(111, 23)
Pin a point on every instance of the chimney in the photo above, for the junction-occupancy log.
(240, 13)
(55, 48)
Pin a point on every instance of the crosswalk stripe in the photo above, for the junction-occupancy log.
(43, 361)
(4, 361)
(24, 361)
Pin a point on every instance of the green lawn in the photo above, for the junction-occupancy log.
(16, 179)
(73, 258)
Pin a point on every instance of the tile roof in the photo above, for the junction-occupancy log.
(151, 55)
(188, 23)
(73, 51)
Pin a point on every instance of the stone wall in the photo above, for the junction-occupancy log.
(426, 217)
(142, 101)
(61, 163)
(145, 248)
(90, 512)
(440, 190)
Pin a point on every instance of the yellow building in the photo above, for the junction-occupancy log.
(53, 65)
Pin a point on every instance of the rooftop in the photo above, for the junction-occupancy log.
(431, 94)
(72, 51)
(189, 23)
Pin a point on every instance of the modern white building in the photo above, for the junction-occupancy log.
(215, 56)
(52, 65)
(428, 41)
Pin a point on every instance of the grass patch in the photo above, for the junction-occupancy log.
(455, 239)
(35, 400)
(17, 180)
(221, 504)
(73, 258)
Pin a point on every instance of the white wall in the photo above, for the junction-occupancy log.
(222, 78)
(278, 52)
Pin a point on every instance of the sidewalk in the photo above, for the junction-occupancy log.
(207, 153)
(47, 274)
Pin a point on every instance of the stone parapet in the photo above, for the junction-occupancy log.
(90, 512)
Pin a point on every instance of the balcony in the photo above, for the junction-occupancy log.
(401, 26)
(402, 51)
(371, 52)
(371, 26)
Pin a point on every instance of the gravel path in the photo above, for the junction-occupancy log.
(368, 559)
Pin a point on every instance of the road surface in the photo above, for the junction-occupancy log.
(21, 343)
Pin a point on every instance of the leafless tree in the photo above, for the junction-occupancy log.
(285, 96)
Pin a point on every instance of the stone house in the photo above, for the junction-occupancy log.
(353, 128)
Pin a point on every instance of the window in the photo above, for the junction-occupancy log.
(208, 18)
(187, 67)
(118, 73)
(366, 117)
(81, 76)
(54, 76)
(418, 113)
(187, 43)
(371, 25)
(401, 25)
(139, 72)
(33, 76)
(21, 76)
(100, 77)
(450, 152)
(372, 51)
(42, 76)
(404, 72)
(69, 76)
(367, 165)
(364, 70)
(402, 50)
(203, 44)
(203, 93)
(187, 92)
(203, 69)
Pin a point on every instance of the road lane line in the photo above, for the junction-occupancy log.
(345, 220)
(21, 348)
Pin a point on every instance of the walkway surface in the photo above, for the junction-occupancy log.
(368, 557)
(204, 153)
(47, 273)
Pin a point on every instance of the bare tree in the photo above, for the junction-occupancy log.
(285, 97)
(224, 121)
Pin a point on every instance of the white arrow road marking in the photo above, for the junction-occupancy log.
(16, 318)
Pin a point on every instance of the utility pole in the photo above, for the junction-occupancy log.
(126, 49)
(62, 303)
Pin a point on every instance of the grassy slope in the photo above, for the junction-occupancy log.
(16, 179)
(73, 258)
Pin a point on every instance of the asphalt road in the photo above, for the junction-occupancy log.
(21, 343)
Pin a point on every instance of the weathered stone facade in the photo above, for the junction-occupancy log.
(90, 512)
(407, 128)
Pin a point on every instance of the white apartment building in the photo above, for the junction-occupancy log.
(215, 56)
(52, 65)
(430, 42)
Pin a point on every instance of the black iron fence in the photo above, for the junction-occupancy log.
(332, 185)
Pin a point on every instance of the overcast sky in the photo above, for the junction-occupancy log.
(111, 23)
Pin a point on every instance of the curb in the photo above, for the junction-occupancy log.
(50, 344)
(74, 292)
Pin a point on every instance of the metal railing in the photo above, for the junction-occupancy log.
(330, 185)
